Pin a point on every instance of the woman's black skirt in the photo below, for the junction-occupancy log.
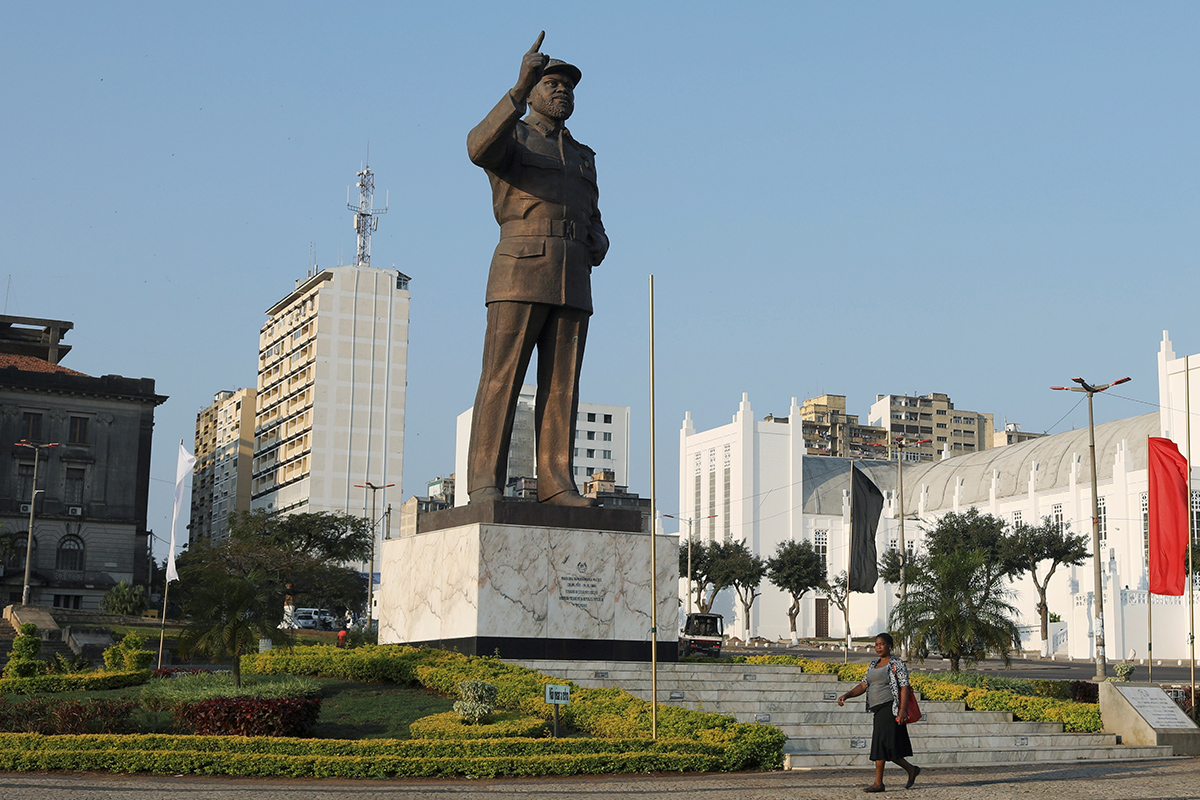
(889, 741)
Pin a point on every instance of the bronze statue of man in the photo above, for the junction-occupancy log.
(539, 290)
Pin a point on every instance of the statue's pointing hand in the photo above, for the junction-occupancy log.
(532, 66)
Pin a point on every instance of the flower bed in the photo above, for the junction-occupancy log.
(609, 713)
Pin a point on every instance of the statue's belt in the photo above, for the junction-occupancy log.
(558, 228)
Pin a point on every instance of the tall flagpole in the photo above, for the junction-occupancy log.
(654, 543)
(849, 560)
(162, 628)
(1191, 586)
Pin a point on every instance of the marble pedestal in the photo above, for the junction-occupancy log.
(529, 592)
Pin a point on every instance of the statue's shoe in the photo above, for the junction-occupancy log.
(572, 499)
(486, 495)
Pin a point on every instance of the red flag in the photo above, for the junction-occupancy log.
(1168, 516)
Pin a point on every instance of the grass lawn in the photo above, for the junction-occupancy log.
(373, 710)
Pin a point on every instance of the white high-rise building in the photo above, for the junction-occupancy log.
(601, 443)
(332, 371)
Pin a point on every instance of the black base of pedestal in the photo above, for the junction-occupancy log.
(568, 649)
(524, 512)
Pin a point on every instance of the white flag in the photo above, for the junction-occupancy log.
(186, 462)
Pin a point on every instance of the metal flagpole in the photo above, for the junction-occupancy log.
(653, 543)
(849, 560)
(162, 628)
(1191, 586)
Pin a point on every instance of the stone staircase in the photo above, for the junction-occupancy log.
(822, 734)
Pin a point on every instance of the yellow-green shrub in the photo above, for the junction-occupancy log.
(256, 756)
(503, 724)
(74, 682)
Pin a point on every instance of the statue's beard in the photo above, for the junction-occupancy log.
(551, 108)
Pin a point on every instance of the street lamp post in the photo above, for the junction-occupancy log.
(1098, 576)
(901, 443)
(371, 564)
(689, 568)
(37, 450)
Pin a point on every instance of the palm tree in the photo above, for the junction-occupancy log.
(229, 613)
(957, 604)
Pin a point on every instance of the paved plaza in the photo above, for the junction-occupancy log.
(1178, 779)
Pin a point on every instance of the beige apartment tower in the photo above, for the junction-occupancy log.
(332, 370)
(951, 431)
(224, 450)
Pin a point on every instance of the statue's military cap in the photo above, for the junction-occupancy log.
(561, 67)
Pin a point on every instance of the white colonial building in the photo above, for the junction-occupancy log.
(751, 481)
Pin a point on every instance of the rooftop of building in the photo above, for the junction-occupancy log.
(33, 364)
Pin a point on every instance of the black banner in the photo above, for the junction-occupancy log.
(866, 504)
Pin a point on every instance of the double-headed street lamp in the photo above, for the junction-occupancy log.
(689, 568)
(1098, 575)
(371, 565)
(37, 451)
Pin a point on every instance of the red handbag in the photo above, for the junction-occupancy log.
(912, 710)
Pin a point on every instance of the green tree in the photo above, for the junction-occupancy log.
(837, 591)
(228, 613)
(1051, 545)
(725, 563)
(796, 568)
(700, 580)
(307, 553)
(744, 571)
(125, 599)
(957, 603)
(971, 530)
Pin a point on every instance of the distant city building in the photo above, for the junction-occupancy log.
(601, 444)
(951, 431)
(224, 452)
(1012, 434)
(603, 486)
(441, 489)
(830, 431)
(89, 527)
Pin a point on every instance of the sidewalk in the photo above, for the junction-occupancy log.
(1142, 780)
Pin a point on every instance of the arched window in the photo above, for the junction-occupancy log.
(70, 554)
(15, 556)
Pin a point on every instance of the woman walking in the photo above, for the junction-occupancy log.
(889, 737)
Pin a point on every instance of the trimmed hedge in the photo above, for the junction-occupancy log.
(249, 716)
(74, 682)
(352, 759)
(611, 713)
(502, 725)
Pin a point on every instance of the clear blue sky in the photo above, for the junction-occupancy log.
(978, 199)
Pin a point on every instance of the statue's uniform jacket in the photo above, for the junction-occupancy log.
(545, 198)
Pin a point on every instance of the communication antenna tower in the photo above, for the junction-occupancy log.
(366, 217)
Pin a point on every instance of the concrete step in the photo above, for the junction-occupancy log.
(860, 729)
(822, 734)
(825, 743)
(860, 757)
